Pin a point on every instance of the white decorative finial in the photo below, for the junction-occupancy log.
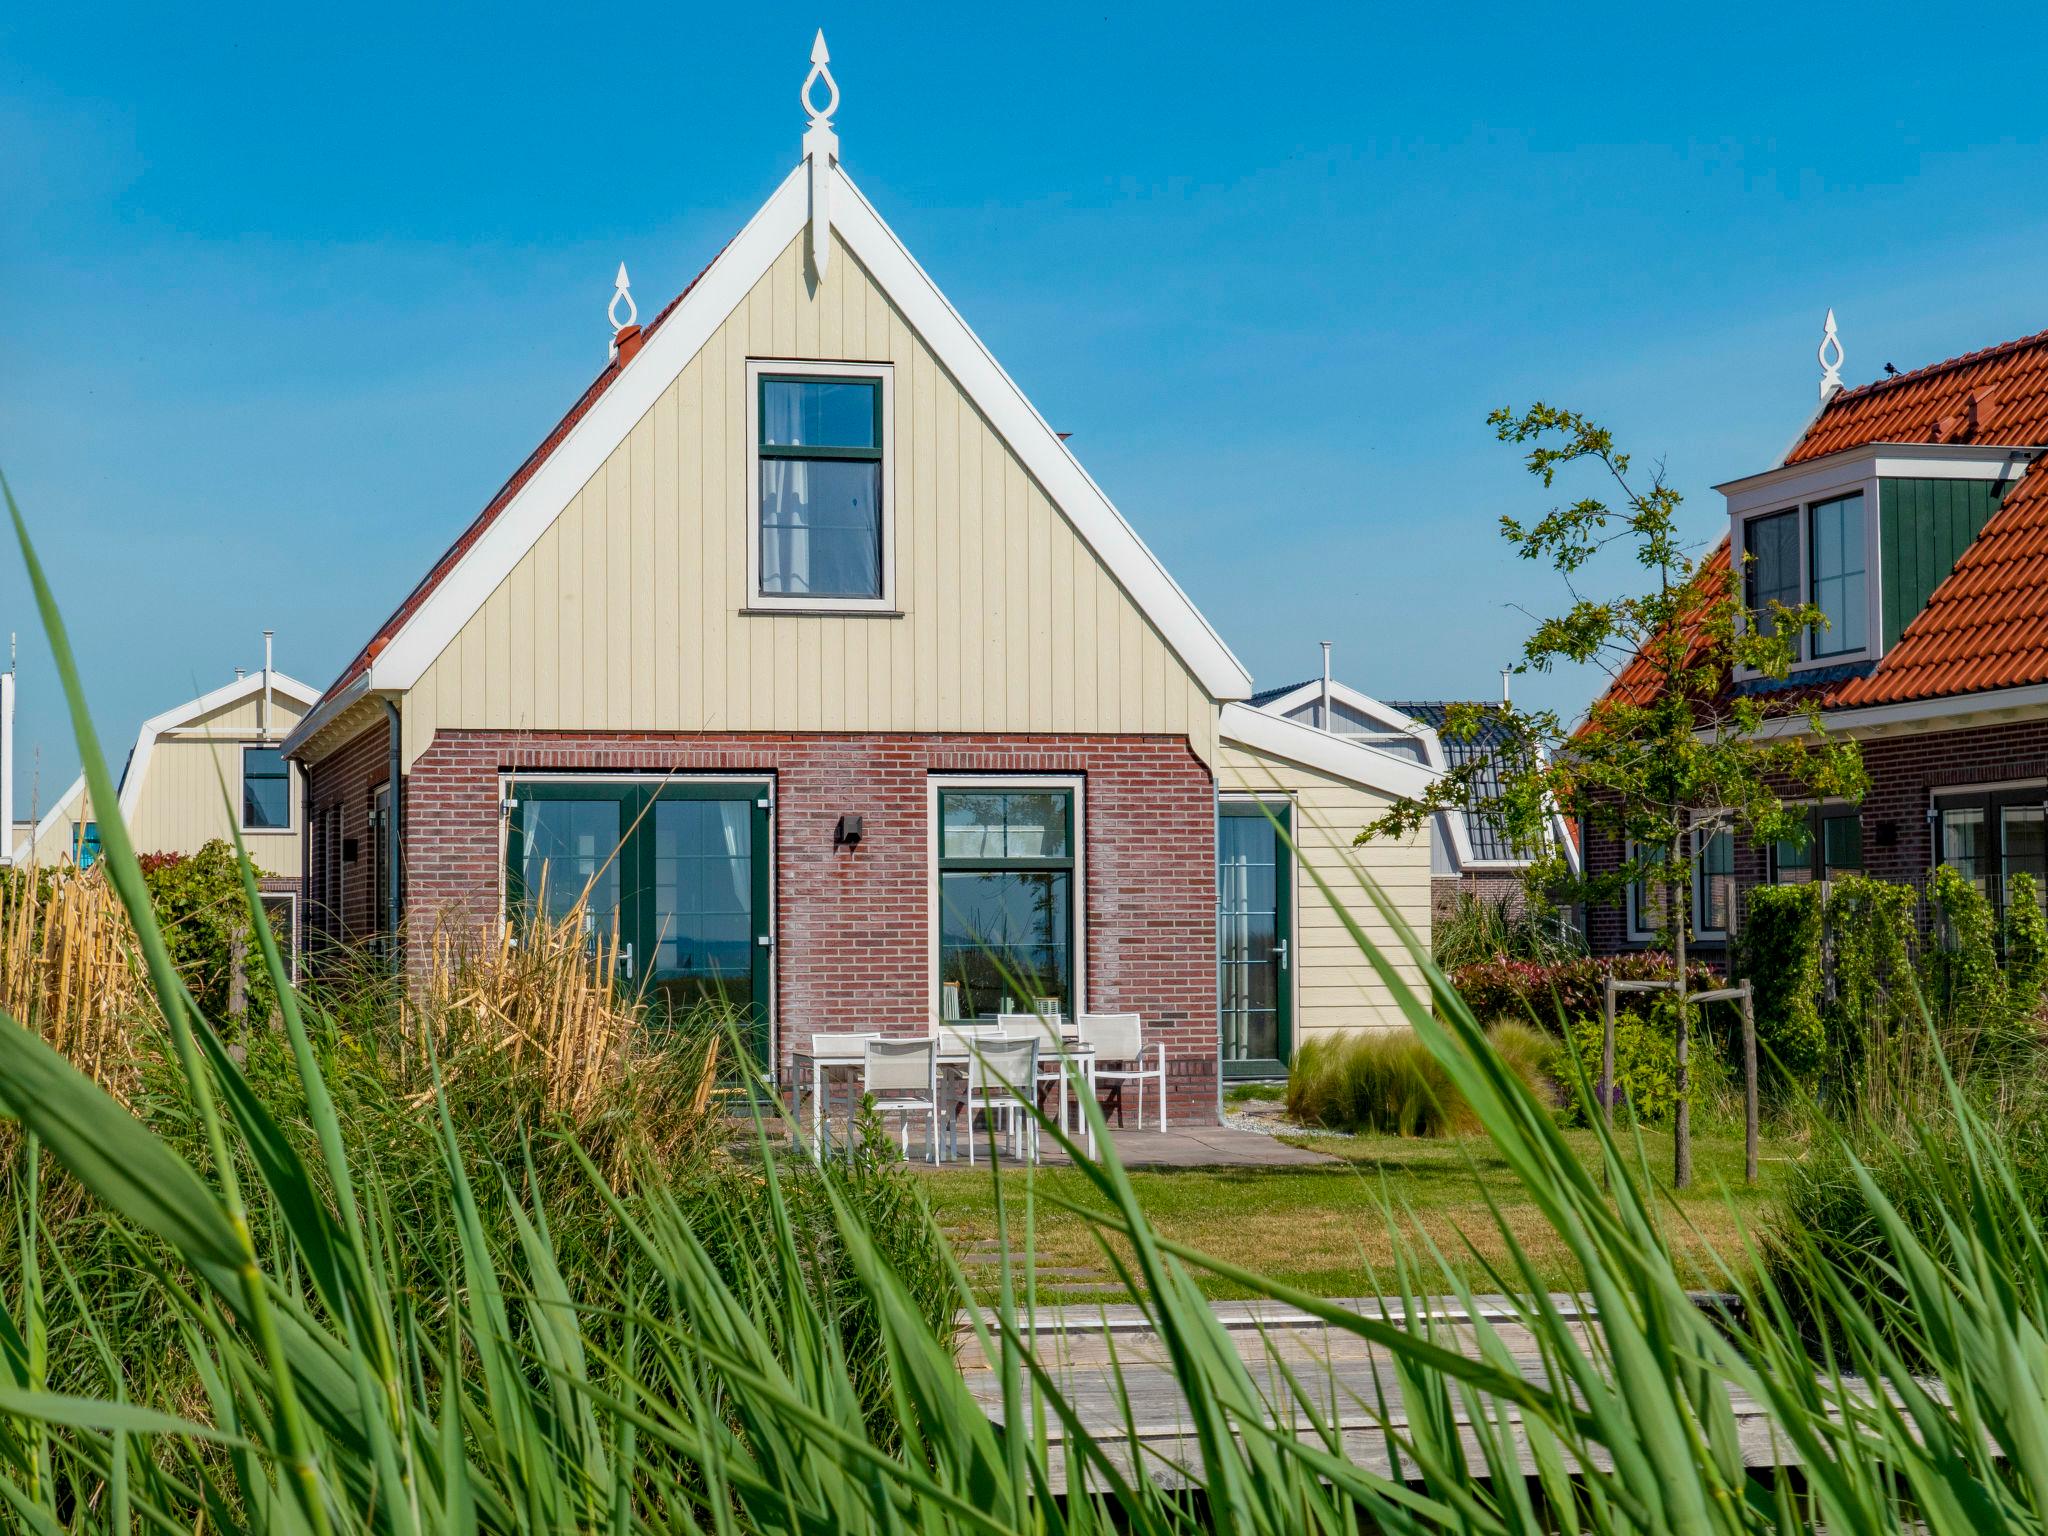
(821, 149)
(1831, 371)
(622, 288)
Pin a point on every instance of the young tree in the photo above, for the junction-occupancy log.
(1672, 752)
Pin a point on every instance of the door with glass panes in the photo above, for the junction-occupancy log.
(1990, 835)
(1254, 934)
(678, 870)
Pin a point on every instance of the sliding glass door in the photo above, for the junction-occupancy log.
(681, 869)
(1254, 928)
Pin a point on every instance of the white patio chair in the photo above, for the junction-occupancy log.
(1120, 1059)
(999, 1078)
(1049, 1030)
(841, 1043)
(901, 1077)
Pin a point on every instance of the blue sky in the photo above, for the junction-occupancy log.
(284, 297)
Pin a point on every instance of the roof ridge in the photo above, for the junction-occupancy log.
(1928, 370)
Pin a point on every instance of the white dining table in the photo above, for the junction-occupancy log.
(849, 1051)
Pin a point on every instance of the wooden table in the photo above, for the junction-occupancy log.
(849, 1051)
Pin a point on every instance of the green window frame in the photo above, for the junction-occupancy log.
(1006, 880)
(1831, 848)
(775, 569)
(266, 790)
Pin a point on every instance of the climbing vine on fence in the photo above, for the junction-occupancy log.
(2026, 948)
(1781, 956)
(1869, 935)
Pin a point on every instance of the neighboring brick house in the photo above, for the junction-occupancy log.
(808, 650)
(1912, 512)
(1468, 853)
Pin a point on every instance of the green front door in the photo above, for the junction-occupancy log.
(681, 867)
(1254, 934)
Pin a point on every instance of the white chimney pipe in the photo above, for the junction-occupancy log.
(1505, 674)
(1328, 723)
(267, 637)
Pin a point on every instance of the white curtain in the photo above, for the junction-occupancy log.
(785, 500)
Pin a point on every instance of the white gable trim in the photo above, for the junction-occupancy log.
(1352, 761)
(155, 726)
(25, 850)
(1311, 692)
(716, 295)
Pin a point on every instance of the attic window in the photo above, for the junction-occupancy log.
(820, 535)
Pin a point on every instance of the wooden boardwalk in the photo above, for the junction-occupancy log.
(1088, 1348)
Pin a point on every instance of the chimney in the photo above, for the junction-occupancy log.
(1505, 674)
(268, 635)
(1328, 723)
(7, 758)
(626, 342)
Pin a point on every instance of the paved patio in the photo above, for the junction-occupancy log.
(1197, 1146)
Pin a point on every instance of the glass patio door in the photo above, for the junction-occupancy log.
(1254, 927)
(681, 868)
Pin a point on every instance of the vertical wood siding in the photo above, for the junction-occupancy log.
(1335, 986)
(1923, 528)
(626, 614)
(181, 806)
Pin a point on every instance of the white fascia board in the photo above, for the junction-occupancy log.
(246, 686)
(716, 295)
(666, 352)
(324, 714)
(1959, 709)
(56, 813)
(1351, 761)
(1028, 434)
(1344, 693)
(1882, 461)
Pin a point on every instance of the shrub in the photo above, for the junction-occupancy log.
(1508, 928)
(1646, 1060)
(1779, 952)
(1873, 1018)
(1388, 1081)
(2026, 947)
(1564, 989)
(1964, 987)
(206, 926)
(1826, 1220)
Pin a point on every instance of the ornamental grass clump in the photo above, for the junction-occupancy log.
(1388, 1081)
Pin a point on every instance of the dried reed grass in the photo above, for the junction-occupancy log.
(68, 970)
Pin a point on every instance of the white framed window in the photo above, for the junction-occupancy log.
(1008, 880)
(266, 790)
(282, 908)
(1821, 551)
(821, 503)
(1712, 887)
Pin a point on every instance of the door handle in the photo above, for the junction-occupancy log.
(1280, 953)
(626, 961)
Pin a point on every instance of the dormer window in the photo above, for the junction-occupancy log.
(1865, 535)
(820, 535)
(1838, 585)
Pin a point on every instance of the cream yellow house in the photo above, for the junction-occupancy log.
(205, 770)
(810, 658)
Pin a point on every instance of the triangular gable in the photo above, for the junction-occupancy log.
(193, 711)
(587, 441)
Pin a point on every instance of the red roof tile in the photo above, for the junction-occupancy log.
(497, 504)
(1986, 625)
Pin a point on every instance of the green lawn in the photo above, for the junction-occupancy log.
(1325, 1228)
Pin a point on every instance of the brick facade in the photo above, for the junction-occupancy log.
(853, 925)
(341, 790)
(1906, 772)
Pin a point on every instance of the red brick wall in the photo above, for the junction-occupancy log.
(1444, 891)
(853, 925)
(345, 781)
(1905, 773)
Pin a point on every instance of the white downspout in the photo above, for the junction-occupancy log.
(1325, 722)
